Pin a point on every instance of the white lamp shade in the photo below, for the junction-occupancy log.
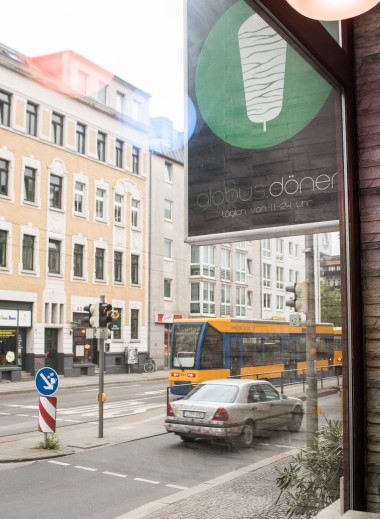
(332, 9)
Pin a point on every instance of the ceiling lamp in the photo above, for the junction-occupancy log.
(332, 9)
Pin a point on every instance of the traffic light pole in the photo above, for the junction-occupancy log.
(311, 345)
(101, 377)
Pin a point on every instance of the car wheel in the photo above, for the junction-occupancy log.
(185, 438)
(248, 434)
(296, 420)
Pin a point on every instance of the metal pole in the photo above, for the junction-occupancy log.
(101, 376)
(311, 345)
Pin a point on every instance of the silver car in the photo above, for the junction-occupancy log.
(229, 409)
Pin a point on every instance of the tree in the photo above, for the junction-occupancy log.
(331, 305)
(311, 481)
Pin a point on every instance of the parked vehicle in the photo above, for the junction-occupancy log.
(233, 409)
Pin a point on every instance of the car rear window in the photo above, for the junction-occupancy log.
(211, 393)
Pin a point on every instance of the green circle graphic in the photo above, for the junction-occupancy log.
(221, 87)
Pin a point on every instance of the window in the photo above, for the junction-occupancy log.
(101, 146)
(135, 213)
(28, 252)
(267, 275)
(266, 248)
(202, 298)
(78, 260)
(240, 302)
(134, 269)
(168, 244)
(202, 260)
(79, 197)
(167, 288)
(5, 108)
(82, 79)
(99, 263)
(279, 278)
(118, 209)
(29, 184)
(225, 264)
(168, 172)
(134, 324)
(31, 119)
(102, 93)
(280, 302)
(54, 259)
(81, 138)
(4, 177)
(168, 210)
(116, 325)
(120, 102)
(99, 203)
(136, 110)
(3, 248)
(135, 160)
(225, 301)
(240, 267)
(267, 302)
(119, 146)
(118, 266)
(280, 249)
(55, 192)
(57, 128)
(290, 248)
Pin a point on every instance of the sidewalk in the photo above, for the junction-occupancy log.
(247, 493)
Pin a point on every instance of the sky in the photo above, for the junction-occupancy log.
(141, 41)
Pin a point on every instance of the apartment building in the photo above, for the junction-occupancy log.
(74, 163)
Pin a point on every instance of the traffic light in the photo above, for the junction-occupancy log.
(299, 301)
(92, 318)
(105, 317)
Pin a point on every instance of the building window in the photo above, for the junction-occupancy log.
(118, 208)
(54, 256)
(82, 78)
(119, 153)
(280, 278)
(116, 325)
(136, 110)
(79, 197)
(28, 252)
(99, 263)
(280, 249)
(120, 102)
(266, 248)
(202, 260)
(81, 138)
(57, 128)
(267, 302)
(168, 245)
(55, 191)
(225, 265)
(134, 324)
(225, 301)
(31, 119)
(78, 260)
(102, 93)
(134, 269)
(168, 172)
(135, 160)
(101, 146)
(3, 248)
(117, 266)
(99, 203)
(280, 302)
(4, 177)
(267, 275)
(240, 302)
(202, 298)
(135, 213)
(168, 210)
(167, 288)
(5, 108)
(29, 184)
(240, 267)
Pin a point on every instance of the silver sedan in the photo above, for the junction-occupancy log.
(233, 409)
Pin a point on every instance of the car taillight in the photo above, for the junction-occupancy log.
(169, 410)
(221, 414)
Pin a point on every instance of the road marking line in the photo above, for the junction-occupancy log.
(115, 474)
(284, 446)
(85, 468)
(147, 481)
(176, 486)
(59, 463)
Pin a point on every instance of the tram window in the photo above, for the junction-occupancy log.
(272, 350)
(212, 351)
(252, 351)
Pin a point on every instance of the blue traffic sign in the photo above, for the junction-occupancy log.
(47, 381)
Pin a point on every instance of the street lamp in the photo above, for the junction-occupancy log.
(332, 9)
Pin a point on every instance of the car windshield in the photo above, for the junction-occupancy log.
(213, 393)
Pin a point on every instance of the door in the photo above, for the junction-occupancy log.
(51, 347)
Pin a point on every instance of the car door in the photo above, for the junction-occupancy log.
(261, 409)
(278, 413)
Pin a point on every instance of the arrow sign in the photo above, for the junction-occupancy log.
(47, 381)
